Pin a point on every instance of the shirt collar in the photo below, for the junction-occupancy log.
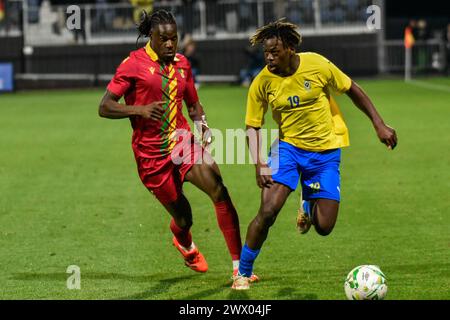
(152, 54)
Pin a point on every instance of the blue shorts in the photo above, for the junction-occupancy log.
(318, 171)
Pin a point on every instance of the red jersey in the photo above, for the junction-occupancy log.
(142, 79)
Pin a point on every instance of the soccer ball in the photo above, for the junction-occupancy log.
(366, 282)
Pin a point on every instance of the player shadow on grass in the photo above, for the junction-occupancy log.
(207, 293)
(204, 294)
(293, 294)
(57, 276)
(163, 285)
(238, 295)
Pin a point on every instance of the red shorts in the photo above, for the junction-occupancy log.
(164, 176)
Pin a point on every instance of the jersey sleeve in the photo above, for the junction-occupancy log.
(190, 92)
(123, 78)
(256, 105)
(337, 79)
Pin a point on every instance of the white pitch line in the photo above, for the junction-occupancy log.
(427, 85)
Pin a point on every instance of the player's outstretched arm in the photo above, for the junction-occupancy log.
(110, 108)
(386, 134)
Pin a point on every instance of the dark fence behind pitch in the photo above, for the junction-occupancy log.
(354, 54)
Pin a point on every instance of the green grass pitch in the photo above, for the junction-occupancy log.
(70, 195)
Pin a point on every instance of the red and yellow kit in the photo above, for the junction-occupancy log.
(142, 79)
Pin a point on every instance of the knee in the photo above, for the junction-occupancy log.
(324, 229)
(324, 217)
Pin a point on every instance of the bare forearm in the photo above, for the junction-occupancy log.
(196, 112)
(254, 144)
(363, 102)
(263, 171)
(114, 110)
(386, 134)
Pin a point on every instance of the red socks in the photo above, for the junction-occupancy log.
(228, 221)
(183, 236)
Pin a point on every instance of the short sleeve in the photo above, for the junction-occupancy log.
(337, 79)
(123, 78)
(190, 92)
(256, 105)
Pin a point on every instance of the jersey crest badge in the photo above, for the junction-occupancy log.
(307, 85)
(181, 71)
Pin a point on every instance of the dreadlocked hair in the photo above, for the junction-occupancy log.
(148, 22)
(281, 29)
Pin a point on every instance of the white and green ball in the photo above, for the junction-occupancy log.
(365, 282)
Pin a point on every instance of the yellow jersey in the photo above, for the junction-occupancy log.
(302, 106)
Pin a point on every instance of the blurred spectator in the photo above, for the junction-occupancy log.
(33, 10)
(101, 15)
(447, 46)
(353, 10)
(294, 13)
(422, 31)
(338, 12)
(60, 21)
(214, 21)
(279, 8)
(410, 36)
(80, 34)
(3, 21)
(422, 35)
(300, 12)
(325, 12)
(188, 14)
(2, 10)
(413, 26)
(122, 17)
(255, 63)
(140, 5)
(188, 49)
(245, 15)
